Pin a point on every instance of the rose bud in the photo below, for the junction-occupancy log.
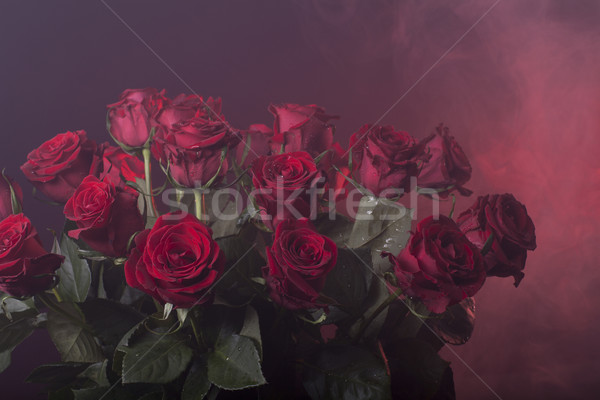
(132, 117)
(176, 261)
(383, 158)
(184, 107)
(59, 165)
(106, 216)
(301, 128)
(298, 263)
(6, 197)
(439, 265)
(283, 186)
(193, 151)
(119, 167)
(255, 142)
(513, 233)
(25, 267)
(448, 168)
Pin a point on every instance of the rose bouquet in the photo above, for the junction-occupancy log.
(270, 262)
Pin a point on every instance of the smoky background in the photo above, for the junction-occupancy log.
(520, 92)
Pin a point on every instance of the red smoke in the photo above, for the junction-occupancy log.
(521, 92)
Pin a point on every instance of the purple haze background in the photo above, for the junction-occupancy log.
(521, 93)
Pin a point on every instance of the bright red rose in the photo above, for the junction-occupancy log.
(298, 263)
(184, 107)
(255, 142)
(176, 261)
(106, 216)
(193, 151)
(513, 230)
(301, 128)
(448, 168)
(383, 158)
(25, 267)
(283, 184)
(132, 117)
(6, 205)
(439, 265)
(119, 167)
(59, 165)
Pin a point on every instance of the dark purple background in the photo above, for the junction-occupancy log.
(521, 92)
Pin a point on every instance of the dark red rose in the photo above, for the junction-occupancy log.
(6, 204)
(439, 265)
(255, 142)
(184, 107)
(298, 263)
(106, 216)
(301, 128)
(59, 165)
(176, 261)
(25, 267)
(283, 184)
(383, 158)
(119, 167)
(132, 117)
(448, 168)
(514, 233)
(193, 151)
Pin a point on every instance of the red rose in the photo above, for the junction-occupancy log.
(298, 263)
(439, 265)
(176, 261)
(253, 144)
(106, 216)
(301, 128)
(119, 167)
(283, 184)
(384, 158)
(513, 230)
(184, 107)
(193, 151)
(132, 117)
(6, 205)
(25, 267)
(448, 168)
(59, 165)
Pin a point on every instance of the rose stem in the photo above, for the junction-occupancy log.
(179, 195)
(148, 194)
(378, 311)
(198, 203)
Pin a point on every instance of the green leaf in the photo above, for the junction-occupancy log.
(382, 224)
(251, 328)
(13, 332)
(234, 363)
(346, 372)
(96, 373)
(14, 200)
(337, 228)
(11, 305)
(70, 334)
(74, 274)
(349, 281)
(110, 320)
(5, 359)
(56, 375)
(196, 384)
(155, 359)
